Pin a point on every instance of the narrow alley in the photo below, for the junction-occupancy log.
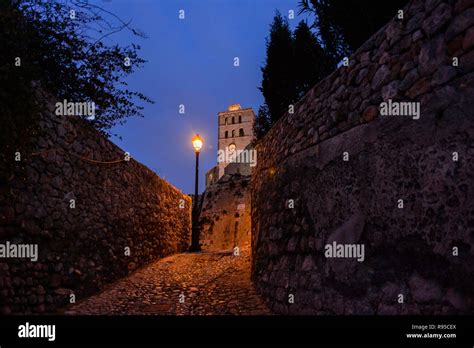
(207, 283)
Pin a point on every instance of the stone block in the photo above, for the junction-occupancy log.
(381, 77)
(437, 19)
(443, 75)
(432, 55)
(460, 23)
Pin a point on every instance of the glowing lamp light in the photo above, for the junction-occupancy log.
(197, 143)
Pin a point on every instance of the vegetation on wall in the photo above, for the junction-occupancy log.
(58, 47)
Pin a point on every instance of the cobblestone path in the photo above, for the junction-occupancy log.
(213, 283)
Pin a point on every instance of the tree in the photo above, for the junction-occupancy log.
(295, 62)
(278, 79)
(263, 122)
(312, 63)
(58, 47)
(344, 25)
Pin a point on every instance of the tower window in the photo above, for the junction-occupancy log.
(240, 119)
(233, 133)
(226, 134)
(233, 119)
(241, 132)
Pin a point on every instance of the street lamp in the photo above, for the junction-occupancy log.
(197, 144)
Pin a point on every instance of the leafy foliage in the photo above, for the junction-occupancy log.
(61, 50)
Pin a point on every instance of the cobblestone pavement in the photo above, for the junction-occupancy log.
(213, 283)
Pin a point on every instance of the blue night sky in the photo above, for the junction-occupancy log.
(190, 62)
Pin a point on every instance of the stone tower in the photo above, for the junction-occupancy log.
(235, 133)
(235, 130)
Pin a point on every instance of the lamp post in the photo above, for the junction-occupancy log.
(197, 144)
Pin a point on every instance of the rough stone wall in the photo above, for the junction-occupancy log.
(409, 251)
(225, 214)
(212, 176)
(81, 249)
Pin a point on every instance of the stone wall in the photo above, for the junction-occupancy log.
(225, 214)
(212, 176)
(399, 186)
(117, 206)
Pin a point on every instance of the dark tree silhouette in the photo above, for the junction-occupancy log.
(312, 64)
(263, 122)
(278, 76)
(295, 62)
(344, 25)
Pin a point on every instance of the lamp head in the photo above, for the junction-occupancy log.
(197, 143)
